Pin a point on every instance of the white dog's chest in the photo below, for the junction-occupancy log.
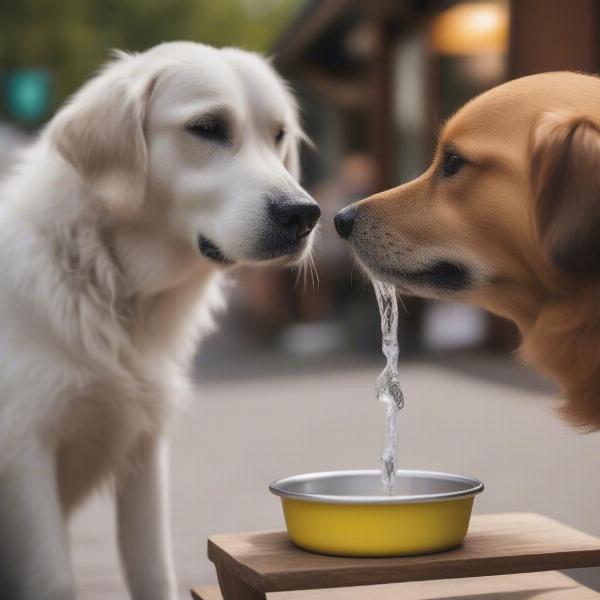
(98, 433)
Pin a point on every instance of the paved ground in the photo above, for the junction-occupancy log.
(242, 434)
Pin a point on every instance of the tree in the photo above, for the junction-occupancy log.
(71, 38)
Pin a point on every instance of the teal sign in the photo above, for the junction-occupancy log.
(27, 94)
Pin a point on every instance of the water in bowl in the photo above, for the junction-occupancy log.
(388, 385)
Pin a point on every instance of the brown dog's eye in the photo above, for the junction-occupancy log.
(452, 164)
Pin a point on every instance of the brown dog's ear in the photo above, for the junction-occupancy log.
(565, 180)
(101, 133)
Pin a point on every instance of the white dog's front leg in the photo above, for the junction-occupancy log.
(143, 523)
(34, 552)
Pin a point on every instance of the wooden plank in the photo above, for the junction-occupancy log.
(496, 545)
(234, 588)
(549, 585)
(207, 592)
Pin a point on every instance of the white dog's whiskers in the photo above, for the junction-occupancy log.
(307, 268)
(313, 270)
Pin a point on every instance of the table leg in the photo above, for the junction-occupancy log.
(233, 588)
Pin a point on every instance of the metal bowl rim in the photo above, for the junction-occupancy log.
(278, 488)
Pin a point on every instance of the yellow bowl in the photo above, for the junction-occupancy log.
(347, 513)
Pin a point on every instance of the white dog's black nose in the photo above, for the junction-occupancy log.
(298, 218)
(344, 221)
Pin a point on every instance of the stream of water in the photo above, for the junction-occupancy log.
(388, 385)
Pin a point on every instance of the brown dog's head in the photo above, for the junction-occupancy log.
(509, 210)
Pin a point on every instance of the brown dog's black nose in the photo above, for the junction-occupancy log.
(344, 221)
(299, 218)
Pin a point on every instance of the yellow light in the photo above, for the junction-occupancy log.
(471, 28)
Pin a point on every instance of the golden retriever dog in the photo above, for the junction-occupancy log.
(507, 217)
(163, 171)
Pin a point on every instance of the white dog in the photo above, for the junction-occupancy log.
(163, 170)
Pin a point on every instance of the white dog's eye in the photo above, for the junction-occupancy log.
(279, 135)
(211, 128)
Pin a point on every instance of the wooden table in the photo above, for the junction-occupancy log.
(251, 564)
(549, 585)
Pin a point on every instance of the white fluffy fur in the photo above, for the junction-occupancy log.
(104, 294)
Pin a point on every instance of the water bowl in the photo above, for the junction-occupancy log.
(347, 513)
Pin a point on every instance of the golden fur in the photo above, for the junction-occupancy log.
(521, 219)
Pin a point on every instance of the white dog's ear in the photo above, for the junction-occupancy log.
(291, 152)
(101, 133)
(295, 136)
(291, 155)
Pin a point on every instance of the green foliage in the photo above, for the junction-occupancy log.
(71, 38)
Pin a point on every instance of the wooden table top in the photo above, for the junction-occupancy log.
(549, 585)
(496, 544)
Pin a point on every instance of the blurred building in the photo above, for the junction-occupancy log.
(377, 79)
(380, 76)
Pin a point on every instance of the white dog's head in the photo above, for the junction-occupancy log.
(203, 140)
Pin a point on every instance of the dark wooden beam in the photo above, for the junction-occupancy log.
(343, 93)
(306, 28)
(380, 103)
(553, 35)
